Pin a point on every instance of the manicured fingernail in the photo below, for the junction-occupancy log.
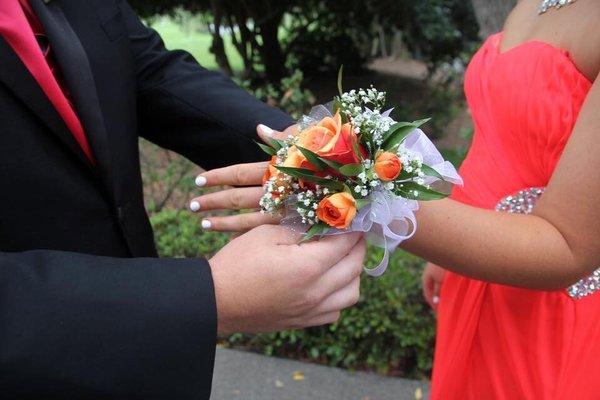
(195, 206)
(200, 181)
(436, 299)
(206, 224)
(266, 130)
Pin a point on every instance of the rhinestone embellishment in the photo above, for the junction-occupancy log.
(520, 203)
(523, 203)
(548, 4)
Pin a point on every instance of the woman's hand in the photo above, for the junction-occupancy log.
(249, 176)
(432, 279)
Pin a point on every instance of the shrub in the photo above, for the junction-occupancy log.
(390, 331)
(178, 234)
(289, 95)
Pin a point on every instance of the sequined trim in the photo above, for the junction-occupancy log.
(548, 4)
(523, 203)
(520, 203)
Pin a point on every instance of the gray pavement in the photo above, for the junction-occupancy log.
(246, 376)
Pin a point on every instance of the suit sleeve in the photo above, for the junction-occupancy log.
(80, 326)
(198, 113)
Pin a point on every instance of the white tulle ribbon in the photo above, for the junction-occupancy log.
(387, 221)
(418, 144)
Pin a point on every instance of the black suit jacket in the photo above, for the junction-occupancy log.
(86, 309)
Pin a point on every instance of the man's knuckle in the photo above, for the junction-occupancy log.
(312, 298)
(307, 272)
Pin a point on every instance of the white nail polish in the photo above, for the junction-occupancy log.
(206, 224)
(195, 206)
(200, 181)
(266, 130)
(435, 299)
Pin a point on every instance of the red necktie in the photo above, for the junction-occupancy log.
(21, 29)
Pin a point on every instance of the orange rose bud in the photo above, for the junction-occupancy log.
(337, 210)
(387, 166)
(271, 170)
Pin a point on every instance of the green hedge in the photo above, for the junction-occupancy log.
(390, 331)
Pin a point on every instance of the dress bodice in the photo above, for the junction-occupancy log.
(524, 102)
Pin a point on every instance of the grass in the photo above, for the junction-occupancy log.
(193, 38)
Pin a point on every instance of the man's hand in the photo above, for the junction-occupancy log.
(432, 279)
(247, 197)
(265, 281)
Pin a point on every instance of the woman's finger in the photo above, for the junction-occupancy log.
(428, 285)
(435, 299)
(236, 175)
(232, 199)
(239, 223)
(266, 133)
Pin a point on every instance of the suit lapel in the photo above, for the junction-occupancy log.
(72, 59)
(14, 74)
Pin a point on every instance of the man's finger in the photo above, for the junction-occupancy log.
(344, 272)
(340, 300)
(232, 199)
(238, 223)
(329, 250)
(323, 319)
(236, 175)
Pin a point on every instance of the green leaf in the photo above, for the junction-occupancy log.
(408, 190)
(398, 132)
(313, 158)
(427, 170)
(315, 230)
(335, 165)
(300, 173)
(356, 150)
(420, 122)
(318, 161)
(352, 169)
(276, 144)
(309, 176)
(397, 136)
(340, 80)
(269, 150)
(394, 128)
(337, 105)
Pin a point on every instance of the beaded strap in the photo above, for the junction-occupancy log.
(523, 203)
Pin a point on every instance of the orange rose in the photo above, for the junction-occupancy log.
(295, 159)
(271, 170)
(331, 140)
(337, 210)
(387, 166)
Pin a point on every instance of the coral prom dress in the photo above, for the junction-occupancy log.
(500, 342)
